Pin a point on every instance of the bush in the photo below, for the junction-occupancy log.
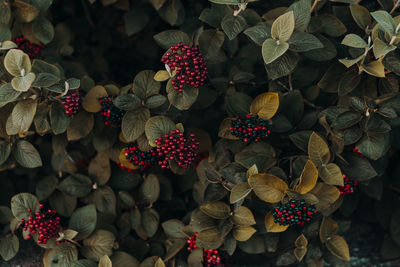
(189, 133)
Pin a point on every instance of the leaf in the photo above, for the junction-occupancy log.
(150, 189)
(121, 259)
(23, 83)
(81, 125)
(127, 102)
(22, 116)
(91, 100)
(155, 101)
(216, 210)
(97, 245)
(233, 25)
(168, 38)
(348, 83)
(332, 26)
(211, 41)
(150, 221)
(361, 16)
(272, 226)
(158, 126)
(183, 100)
(27, 155)
(374, 145)
(326, 194)
(43, 30)
(105, 262)
(225, 130)
(239, 192)
(385, 20)
(17, 62)
(327, 229)
(268, 187)
(161, 76)
(45, 187)
(271, 50)
(63, 255)
(353, 40)
(45, 80)
(9, 246)
(144, 84)
(21, 203)
(159, 263)
(83, 220)
(318, 150)
(243, 216)
(25, 12)
(374, 68)
(243, 233)
(260, 154)
(331, 174)
(225, 2)
(265, 105)
(302, 42)
(283, 27)
(338, 247)
(135, 21)
(308, 178)
(300, 252)
(259, 33)
(76, 185)
(174, 228)
(7, 94)
(100, 169)
(381, 48)
(133, 123)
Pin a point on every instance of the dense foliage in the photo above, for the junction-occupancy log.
(198, 133)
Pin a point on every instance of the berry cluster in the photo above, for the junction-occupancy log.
(71, 103)
(211, 256)
(355, 150)
(28, 47)
(190, 67)
(349, 186)
(43, 223)
(295, 212)
(143, 159)
(119, 164)
(111, 114)
(252, 129)
(174, 146)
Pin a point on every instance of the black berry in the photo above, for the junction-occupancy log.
(250, 130)
(294, 212)
(111, 114)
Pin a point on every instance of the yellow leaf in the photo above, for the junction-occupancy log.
(225, 130)
(243, 233)
(159, 263)
(308, 178)
(374, 68)
(318, 150)
(268, 187)
(251, 171)
(243, 216)
(331, 174)
(265, 105)
(301, 241)
(239, 192)
(105, 262)
(326, 194)
(126, 163)
(272, 226)
(338, 247)
(299, 253)
(161, 75)
(91, 101)
(327, 229)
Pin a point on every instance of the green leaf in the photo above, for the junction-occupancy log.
(361, 16)
(121, 259)
(6, 215)
(27, 155)
(133, 123)
(83, 220)
(243, 216)
(283, 65)
(21, 203)
(300, 139)
(76, 185)
(225, 2)
(217, 210)
(239, 192)
(97, 245)
(168, 38)
(283, 27)
(150, 189)
(233, 25)
(332, 26)
(346, 120)
(338, 247)
(45, 187)
(350, 62)
(40, 66)
(385, 20)
(302, 14)
(183, 100)
(7, 94)
(135, 21)
(58, 119)
(22, 116)
(302, 42)
(144, 84)
(381, 48)
(331, 174)
(158, 126)
(318, 150)
(63, 255)
(9, 246)
(43, 30)
(261, 154)
(353, 40)
(259, 33)
(45, 80)
(210, 41)
(174, 228)
(272, 49)
(374, 145)
(81, 125)
(17, 62)
(243, 233)
(150, 221)
(127, 102)
(23, 83)
(214, 15)
(348, 83)
(238, 104)
(5, 33)
(155, 101)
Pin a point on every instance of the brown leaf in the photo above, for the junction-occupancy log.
(318, 150)
(326, 194)
(243, 233)
(268, 187)
(265, 105)
(91, 100)
(272, 226)
(338, 247)
(308, 178)
(327, 229)
(225, 130)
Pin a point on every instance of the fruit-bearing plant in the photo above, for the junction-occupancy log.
(198, 133)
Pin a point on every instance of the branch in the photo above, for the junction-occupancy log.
(314, 5)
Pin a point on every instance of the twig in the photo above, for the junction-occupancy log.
(395, 6)
(314, 5)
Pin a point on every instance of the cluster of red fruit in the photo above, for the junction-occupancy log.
(143, 159)
(355, 150)
(44, 223)
(211, 256)
(111, 114)
(349, 186)
(252, 129)
(189, 64)
(174, 146)
(71, 103)
(31, 49)
(294, 212)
